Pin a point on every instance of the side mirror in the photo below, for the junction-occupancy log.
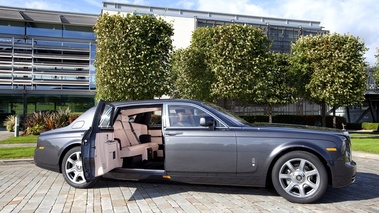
(207, 121)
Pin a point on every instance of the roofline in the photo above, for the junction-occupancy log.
(62, 16)
(23, 9)
(114, 6)
(153, 101)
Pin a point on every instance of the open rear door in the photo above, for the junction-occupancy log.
(100, 152)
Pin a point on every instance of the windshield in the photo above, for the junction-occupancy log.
(229, 115)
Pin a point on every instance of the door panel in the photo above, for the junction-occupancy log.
(99, 150)
(107, 156)
(196, 149)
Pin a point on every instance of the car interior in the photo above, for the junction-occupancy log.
(139, 134)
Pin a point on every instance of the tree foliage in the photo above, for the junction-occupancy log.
(237, 55)
(330, 69)
(191, 78)
(279, 85)
(132, 57)
(376, 72)
(224, 62)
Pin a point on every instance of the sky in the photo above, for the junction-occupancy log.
(359, 18)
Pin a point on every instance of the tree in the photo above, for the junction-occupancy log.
(279, 87)
(376, 68)
(132, 57)
(237, 55)
(191, 78)
(330, 69)
(228, 61)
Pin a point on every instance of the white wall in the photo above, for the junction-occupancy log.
(183, 28)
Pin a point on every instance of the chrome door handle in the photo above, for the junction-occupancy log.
(173, 133)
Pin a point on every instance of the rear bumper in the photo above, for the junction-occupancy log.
(40, 160)
(343, 174)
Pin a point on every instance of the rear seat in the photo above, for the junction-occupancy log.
(130, 145)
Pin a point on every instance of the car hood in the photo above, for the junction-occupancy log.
(294, 126)
(301, 131)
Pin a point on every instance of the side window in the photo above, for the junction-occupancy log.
(155, 119)
(106, 116)
(186, 116)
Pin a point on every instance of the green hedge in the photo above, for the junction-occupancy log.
(311, 120)
(354, 126)
(364, 126)
(370, 126)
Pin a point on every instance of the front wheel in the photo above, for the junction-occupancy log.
(72, 169)
(300, 177)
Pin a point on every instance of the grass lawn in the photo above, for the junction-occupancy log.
(16, 152)
(20, 139)
(370, 145)
(355, 135)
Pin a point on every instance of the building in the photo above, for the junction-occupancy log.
(46, 60)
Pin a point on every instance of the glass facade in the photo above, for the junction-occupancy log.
(281, 36)
(46, 61)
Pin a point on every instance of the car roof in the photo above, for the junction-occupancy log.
(155, 101)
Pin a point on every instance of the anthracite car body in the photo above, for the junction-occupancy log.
(191, 142)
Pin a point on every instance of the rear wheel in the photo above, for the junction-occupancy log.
(300, 177)
(72, 169)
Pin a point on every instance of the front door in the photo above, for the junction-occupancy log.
(100, 152)
(192, 148)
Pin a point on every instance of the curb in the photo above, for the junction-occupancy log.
(17, 161)
(18, 145)
(365, 155)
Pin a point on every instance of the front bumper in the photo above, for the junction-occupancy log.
(343, 174)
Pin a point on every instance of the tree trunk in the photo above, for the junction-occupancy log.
(334, 118)
(323, 113)
(269, 109)
(225, 103)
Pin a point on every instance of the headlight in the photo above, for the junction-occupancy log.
(345, 149)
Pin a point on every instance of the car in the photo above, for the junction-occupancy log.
(187, 141)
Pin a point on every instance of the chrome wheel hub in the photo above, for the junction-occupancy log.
(74, 168)
(299, 178)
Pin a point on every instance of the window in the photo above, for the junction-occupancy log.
(155, 119)
(42, 29)
(83, 32)
(12, 27)
(187, 116)
(106, 116)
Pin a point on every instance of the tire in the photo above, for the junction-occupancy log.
(72, 169)
(300, 177)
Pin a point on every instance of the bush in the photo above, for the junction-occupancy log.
(354, 126)
(9, 123)
(35, 130)
(370, 126)
(46, 120)
(73, 117)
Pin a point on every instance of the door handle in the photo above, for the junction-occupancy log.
(173, 133)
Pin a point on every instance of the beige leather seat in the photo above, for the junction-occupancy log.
(130, 145)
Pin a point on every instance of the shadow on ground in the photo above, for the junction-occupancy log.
(365, 188)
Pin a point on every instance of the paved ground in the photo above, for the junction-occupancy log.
(5, 134)
(26, 188)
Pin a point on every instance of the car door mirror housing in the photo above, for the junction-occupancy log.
(207, 121)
